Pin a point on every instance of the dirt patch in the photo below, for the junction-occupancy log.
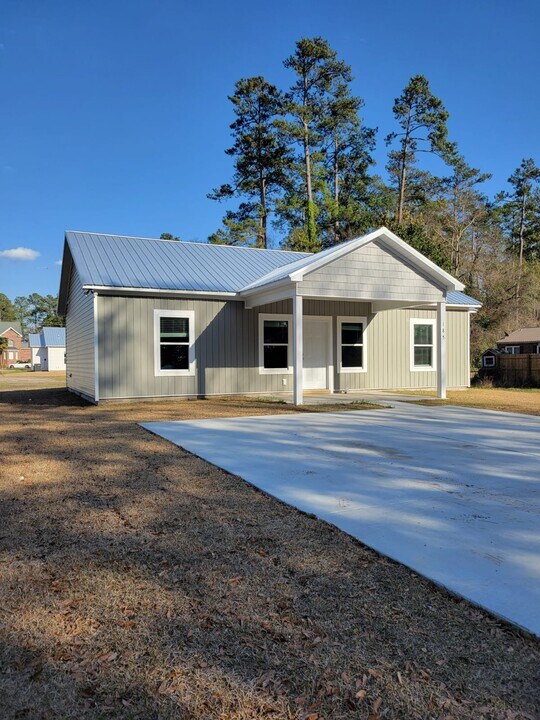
(137, 581)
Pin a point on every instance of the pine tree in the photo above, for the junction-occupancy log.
(347, 157)
(318, 70)
(422, 118)
(519, 211)
(261, 158)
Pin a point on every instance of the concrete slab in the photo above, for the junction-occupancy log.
(451, 492)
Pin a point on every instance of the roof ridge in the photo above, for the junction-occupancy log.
(186, 242)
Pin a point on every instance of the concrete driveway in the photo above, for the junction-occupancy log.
(451, 492)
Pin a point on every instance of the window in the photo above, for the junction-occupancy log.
(538, 349)
(351, 344)
(174, 342)
(422, 345)
(10, 343)
(513, 349)
(489, 361)
(274, 344)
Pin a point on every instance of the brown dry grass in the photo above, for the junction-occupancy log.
(489, 398)
(138, 581)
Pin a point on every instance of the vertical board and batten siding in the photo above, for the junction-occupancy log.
(371, 272)
(388, 353)
(227, 348)
(80, 339)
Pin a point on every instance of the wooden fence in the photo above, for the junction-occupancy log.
(517, 370)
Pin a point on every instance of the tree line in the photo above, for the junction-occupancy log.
(33, 312)
(303, 171)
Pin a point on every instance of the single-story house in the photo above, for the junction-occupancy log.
(17, 349)
(521, 342)
(49, 348)
(148, 318)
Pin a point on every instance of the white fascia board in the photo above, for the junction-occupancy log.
(270, 295)
(451, 283)
(144, 292)
(267, 287)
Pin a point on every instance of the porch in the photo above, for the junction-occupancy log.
(382, 274)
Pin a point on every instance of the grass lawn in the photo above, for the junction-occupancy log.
(138, 581)
(509, 400)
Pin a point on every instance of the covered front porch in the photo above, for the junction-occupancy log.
(342, 350)
(399, 322)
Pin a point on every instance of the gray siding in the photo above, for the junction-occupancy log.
(80, 338)
(388, 353)
(227, 348)
(371, 272)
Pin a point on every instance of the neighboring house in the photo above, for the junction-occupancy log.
(17, 349)
(149, 318)
(521, 342)
(49, 348)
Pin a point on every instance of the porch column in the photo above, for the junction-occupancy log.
(298, 350)
(441, 350)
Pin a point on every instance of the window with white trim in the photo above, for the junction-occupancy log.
(489, 361)
(422, 344)
(275, 344)
(538, 349)
(351, 344)
(513, 349)
(174, 342)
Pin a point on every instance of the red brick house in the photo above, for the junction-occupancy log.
(17, 349)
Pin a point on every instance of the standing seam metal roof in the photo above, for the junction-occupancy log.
(112, 260)
(148, 263)
(48, 337)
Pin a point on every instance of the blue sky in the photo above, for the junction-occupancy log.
(115, 113)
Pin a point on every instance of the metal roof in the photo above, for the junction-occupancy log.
(151, 264)
(48, 337)
(119, 261)
(460, 298)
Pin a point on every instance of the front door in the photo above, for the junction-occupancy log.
(315, 353)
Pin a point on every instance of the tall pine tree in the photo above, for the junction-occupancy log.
(347, 146)
(260, 162)
(422, 118)
(318, 70)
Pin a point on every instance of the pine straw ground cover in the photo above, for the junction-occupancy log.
(138, 581)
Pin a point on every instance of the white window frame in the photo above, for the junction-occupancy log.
(358, 319)
(490, 364)
(190, 315)
(433, 366)
(511, 349)
(275, 371)
(538, 349)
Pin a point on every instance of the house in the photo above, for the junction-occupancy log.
(49, 348)
(521, 342)
(17, 349)
(148, 318)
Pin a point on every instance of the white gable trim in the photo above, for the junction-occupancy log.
(320, 260)
(11, 328)
(418, 260)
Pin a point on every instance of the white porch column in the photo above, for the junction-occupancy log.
(298, 350)
(441, 350)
